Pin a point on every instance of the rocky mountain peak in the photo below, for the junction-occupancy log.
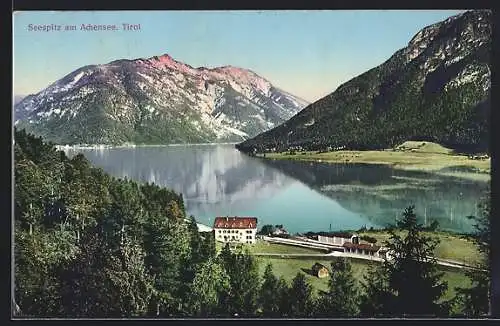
(155, 100)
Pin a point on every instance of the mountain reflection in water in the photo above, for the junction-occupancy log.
(217, 180)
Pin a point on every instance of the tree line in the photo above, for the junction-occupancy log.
(90, 245)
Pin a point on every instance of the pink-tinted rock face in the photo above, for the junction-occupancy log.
(166, 61)
(232, 75)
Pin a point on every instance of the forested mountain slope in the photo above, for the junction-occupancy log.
(436, 89)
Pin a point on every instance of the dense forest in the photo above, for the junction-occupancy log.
(90, 245)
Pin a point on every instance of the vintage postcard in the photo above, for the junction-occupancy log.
(251, 164)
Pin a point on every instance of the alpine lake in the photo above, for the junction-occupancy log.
(218, 180)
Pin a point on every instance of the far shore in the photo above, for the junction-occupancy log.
(102, 146)
(441, 161)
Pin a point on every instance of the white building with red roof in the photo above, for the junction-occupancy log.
(235, 229)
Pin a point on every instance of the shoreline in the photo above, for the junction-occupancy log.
(453, 164)
(106, 146)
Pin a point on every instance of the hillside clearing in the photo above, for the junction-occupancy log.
(288, 268)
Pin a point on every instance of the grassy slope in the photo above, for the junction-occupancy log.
(450, 246)
(409, 155)
(288, 268)
(274, 248)
(266, 247)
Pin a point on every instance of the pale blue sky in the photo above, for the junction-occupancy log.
(308, 53)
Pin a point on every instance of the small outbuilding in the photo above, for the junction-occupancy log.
(320, 270)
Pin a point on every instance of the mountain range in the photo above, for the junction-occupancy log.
(157, 100)
(437, 88)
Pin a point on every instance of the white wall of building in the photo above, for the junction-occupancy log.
(236, 235)
(333, 240)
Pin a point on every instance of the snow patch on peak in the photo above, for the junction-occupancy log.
(78, 77)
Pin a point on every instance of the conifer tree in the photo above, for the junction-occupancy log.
(167, 246)
(377, 298)
(475, 300)
(268, 300)
(300, 297)
(283, 297)
(342, 297)
(210, 283)
(412, 271)
(242, 269)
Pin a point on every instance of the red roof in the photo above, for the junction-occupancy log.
(361, 246)
(235, 222)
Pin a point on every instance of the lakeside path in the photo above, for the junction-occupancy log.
(422, 156)
(440, 262)
(320, 246)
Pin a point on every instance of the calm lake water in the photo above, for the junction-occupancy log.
(217, 180)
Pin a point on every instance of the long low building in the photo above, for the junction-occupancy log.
(368, 249)
(338, 238)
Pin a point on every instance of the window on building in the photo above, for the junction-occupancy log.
(219, 231)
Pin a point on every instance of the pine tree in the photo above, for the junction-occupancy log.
(36, 286)
(268, 292)
(191, 263)
(412, 271)
(208, 248)
(377, 298)
(243, 272)
(195, 242)
(283, 298)
(167, 246)
(475, 301)
(128, 275)
(342, 297)
(85, 287)
(300, 297)
(210, 283)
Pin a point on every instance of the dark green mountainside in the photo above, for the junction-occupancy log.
(436, 89)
